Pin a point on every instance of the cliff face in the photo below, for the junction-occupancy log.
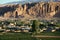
(31, 10)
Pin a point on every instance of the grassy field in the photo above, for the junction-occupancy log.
(48, 38)
(22, 36)
(16, 36)
(49, 33)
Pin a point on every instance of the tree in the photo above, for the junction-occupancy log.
(35, 25)
(41, 26)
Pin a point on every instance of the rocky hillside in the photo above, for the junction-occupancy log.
(31, 10)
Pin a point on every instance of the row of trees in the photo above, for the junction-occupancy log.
(36, 25)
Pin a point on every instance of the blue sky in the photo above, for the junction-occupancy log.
(6, 1)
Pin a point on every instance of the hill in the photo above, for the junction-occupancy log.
(31, 10)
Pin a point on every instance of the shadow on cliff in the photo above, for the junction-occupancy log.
(6, 9)
(12, 8)
(29, 5)
(57, 15)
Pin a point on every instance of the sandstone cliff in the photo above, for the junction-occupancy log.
(31, 10)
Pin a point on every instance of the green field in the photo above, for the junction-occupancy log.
(48, 38)
(49, 33)
(16, 36)
(22, 36)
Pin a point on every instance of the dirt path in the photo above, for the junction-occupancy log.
(46, 36)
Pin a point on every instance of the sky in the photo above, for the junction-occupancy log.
(6, 1)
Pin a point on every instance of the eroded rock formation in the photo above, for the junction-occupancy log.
(40, 9)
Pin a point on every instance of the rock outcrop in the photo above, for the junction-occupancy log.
(31, 10)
